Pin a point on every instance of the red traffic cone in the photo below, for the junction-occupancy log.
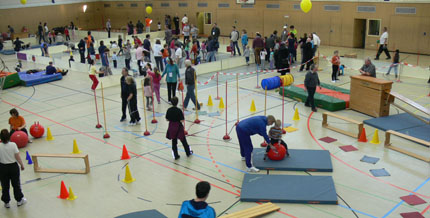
(362, 137)
(264, 144)
(64, 194)
(125, 155)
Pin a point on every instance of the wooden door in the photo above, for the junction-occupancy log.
(359, 33)
(335, 34)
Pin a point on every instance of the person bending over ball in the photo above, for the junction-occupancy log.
(275, 135)
(198, 207)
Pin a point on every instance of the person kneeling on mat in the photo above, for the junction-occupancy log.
(198, 207)
(50, 69)
(245, 129)
(275, 135)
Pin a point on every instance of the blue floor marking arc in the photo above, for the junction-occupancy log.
(340, 205)
(401, 202)
(161, 143)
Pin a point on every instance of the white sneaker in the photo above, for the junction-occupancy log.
(252, 169)
(138, 122)
(333, 81)
(7, 205)
(22, 202)
(243, 159)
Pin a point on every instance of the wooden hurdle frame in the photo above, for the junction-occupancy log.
(325, 115)
(388, 145)
(254, 211)
(46, 170)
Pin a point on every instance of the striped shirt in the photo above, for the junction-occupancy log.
(275, 132)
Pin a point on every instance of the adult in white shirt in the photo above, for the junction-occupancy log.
(108, 27)
(316, 41)
(186, 32)
(139, 58)
(383, 41)
(234, 37)
(178, 56)
(184, 21)
(158, 56)
(9, 170)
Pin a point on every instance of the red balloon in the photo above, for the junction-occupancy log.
(37, 130)
(279, 154)
(20, 138)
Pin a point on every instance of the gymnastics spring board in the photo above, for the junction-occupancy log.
(288, 189)
(143, 214)
(299, 160)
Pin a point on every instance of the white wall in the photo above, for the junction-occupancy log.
(5, 4)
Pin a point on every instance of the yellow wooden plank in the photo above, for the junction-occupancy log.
(411, 138)
(61, 155)
(254, 211)
(401, 150)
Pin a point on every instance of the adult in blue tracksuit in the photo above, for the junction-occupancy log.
(198, 208)
(245, 129)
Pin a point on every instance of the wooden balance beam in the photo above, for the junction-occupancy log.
(354, 135)
(254, 211)
(410, 103)
(45, 170)
(401, 150)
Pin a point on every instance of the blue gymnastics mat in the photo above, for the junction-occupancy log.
(288, 189)
(299, 160)
(403, 123)
(38, 78)
(143, 214)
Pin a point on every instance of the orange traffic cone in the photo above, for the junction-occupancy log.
(125, 155)
(64, 194)
(362, 137)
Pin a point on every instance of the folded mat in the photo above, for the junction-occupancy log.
(38, 78)
(12, 79)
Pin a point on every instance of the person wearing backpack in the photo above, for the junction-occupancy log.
(234, 37)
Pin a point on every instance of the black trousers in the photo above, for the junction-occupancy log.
(171, 90)
(273, 141)
(308, 64)
(115, 64)
(82, 54)
(140, 68)
(235, 45)
(175, 147)
(124, 106)
(67, 38)
(23, 129)
(383, 48)
(159, 62)
(127, 63)
(134, 112)
(108, 30)
(310, 99)
(9, 173)
(335, 69)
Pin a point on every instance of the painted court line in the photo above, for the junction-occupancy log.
(356, 169)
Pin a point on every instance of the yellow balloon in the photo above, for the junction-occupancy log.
(149, 9)
(23, 2)
(306, 5)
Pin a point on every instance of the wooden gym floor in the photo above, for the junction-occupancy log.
(67, 107)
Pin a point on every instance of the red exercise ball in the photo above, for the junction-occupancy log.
(20, 138)
(37, 130)
(279, 154)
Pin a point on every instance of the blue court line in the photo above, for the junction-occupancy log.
(340, 205)
(28, 97)
(401, 202)
(161, 143)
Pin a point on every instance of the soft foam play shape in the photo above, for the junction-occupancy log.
(12, 79)
(38, 78)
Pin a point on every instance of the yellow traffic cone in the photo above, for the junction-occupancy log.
(75, 147)
(296, 115)
(128, 178)
(375, 139)
(221, 104)
(210, 103)
(252, 109)
(49, 136)
(71, 195)
(71, 53)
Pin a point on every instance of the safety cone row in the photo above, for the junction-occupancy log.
(221, 104)
(128, 178)
(28, 158)
(296, 114)
(210, 103)
(49, 136)
(125, 155)
(75, 147)
(253, 109)
(375, 139)
(362, 137)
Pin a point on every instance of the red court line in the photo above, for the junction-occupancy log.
(356, 169)
(119, 147)
(425, 210)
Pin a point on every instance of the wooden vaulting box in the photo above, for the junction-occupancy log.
(370, 95)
